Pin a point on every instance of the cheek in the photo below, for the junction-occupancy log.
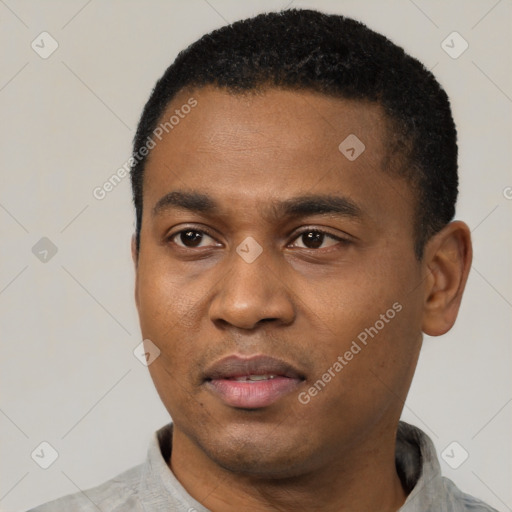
(370, 318)
(167, 316)
(355, 299)
(367, 371)
(162, 296)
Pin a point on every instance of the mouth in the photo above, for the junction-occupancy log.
(252, 383)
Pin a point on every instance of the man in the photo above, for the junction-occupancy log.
(294, 179)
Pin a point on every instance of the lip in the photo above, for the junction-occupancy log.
(219, 379)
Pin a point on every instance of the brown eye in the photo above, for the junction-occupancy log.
(313, 239)
(190, 238)
(317, 239)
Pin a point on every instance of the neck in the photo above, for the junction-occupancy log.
(363, 480)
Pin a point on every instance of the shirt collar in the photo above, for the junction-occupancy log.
(160, 491)
(418, 467)
(415, 458)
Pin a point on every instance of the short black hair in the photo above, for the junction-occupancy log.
(302, 49)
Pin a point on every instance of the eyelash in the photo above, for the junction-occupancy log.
(340, 240)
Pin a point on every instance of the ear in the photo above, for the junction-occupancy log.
(135, 259)
(447, 260)
(135, 254)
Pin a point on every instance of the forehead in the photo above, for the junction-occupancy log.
(260, 145)
(271, 118)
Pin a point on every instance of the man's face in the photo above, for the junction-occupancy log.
(337, 261)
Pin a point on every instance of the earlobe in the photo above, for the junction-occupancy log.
(447, 261)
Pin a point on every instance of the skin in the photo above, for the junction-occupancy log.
(301, 302)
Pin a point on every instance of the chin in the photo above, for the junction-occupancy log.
(254, 456)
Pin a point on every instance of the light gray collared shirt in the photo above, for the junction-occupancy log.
(152, 487)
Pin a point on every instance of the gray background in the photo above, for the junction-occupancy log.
(68, 375)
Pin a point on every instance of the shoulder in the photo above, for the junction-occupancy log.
(120, 494)
(459, 500)
(420, 472)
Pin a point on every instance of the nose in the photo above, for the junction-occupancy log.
(252, 293)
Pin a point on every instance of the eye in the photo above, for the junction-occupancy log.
(308, 239)
(315, 239)
(190, 238)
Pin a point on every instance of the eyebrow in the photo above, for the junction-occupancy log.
(301, 206)
(193, 201)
